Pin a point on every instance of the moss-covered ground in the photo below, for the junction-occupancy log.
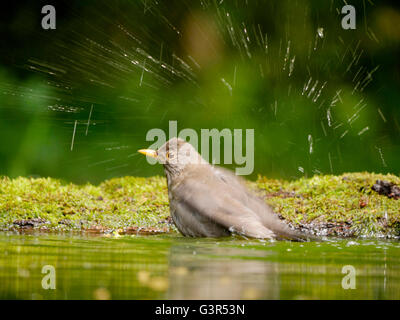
(342, 205)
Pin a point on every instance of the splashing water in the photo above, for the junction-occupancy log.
(122, 75)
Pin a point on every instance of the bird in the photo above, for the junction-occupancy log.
(210, 201)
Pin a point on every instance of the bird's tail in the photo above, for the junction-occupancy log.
(283, 232)
(298, 236)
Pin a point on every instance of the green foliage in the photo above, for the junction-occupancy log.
(259, 65)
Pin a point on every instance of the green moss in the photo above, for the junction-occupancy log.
(343, 205)
(115, 204)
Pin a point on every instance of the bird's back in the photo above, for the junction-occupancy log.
(212, 202)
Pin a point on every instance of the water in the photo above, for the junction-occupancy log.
(173, 267)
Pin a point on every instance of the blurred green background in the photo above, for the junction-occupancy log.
(321, 99)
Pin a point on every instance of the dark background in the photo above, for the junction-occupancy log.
(143, 63)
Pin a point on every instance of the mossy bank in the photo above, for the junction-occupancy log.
(345, 205)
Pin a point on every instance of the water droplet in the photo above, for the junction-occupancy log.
(310, 142)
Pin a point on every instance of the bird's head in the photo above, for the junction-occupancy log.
(175, 155)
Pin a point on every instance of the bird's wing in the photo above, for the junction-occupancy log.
(266, 215)
(210, 197)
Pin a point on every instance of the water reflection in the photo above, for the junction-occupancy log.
(201, 273)
(173, 267)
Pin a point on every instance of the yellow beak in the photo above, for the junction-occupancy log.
(148, 152)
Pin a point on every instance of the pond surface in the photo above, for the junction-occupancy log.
(173, 267)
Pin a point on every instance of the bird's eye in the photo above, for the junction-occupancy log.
(167, 155)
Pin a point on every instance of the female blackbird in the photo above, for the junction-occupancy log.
(209, 201)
